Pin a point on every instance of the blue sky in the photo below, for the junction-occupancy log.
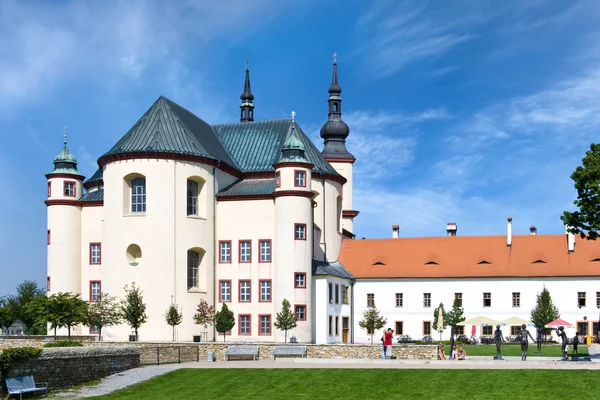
(462, 111)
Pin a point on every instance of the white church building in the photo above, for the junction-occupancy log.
(251, 213)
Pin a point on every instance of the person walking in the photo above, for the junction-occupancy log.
(388, 338)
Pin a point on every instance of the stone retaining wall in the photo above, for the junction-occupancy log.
(63, 367)
(7, 342)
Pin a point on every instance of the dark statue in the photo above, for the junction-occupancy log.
(540, 333)
(523, 337)
(498, 338)
(563, 347)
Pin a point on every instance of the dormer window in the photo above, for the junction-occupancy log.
(431, 263)
(300, 178)
(539, 262)
(483, 262)
(69, 188)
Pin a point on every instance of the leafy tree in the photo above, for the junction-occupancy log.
(372, 320)
(455, 316)
(103, 313)
(435, 317)
(586, 221)
(224, 320)
(285, 319)
(173, 317)
(133, 308)
(544, 311)
(8, 311)
(27, 291)
(205, 314)
(59, 310)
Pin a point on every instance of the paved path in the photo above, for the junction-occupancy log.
(133, 376)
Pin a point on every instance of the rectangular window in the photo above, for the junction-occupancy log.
(337, 294)
(597, 299)
(595, 329)
(399, 328)
(426, 328)
(265, 291)
(300, 231)
(580, 299)
(458, 296)
(265, 250)
(47, 284)
(244, 324)
(225, 251)
(337, 325)
(330, 293)
(460, 330)
(192, 197)
(300, 280)
(514, 330)
(330, 325)
(95, 290)
(49, 189)
(300, 311)
(370, 300)
(95, 253)
(265, 325)
(138, 195)
(224, 291)
(426, 299)
(345, 290)
(516, 299)
(245, 251)
(193, 268)
(300, 178)
(399, 300)
(487, 299)
(69, 187)
(486, 330)
(245, 292)
(48, 237)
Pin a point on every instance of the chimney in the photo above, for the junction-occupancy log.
(570, 240)
(451, 229)
(509, 232)
(532, 230)
(395, 230)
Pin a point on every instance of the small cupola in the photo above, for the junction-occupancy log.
(293, 149)
(65, 162)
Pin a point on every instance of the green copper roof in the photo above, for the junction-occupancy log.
(292, 142)
(256, 146)
(293, 149)
(96, 177)
(169, 128)
(96, 195)
(65, 162)
(247, 187)
(330, 268)
(65, 156)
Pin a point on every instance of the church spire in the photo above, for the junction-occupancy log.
(335, 131)
(247, 107)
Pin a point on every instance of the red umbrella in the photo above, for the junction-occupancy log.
(558, 322)
(473, 330)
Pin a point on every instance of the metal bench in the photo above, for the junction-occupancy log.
(24, 384)
(242, 351)
(289, 351)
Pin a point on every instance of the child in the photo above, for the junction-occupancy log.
(462, 353)
(575, 343)
(442, 353)
(454, 353)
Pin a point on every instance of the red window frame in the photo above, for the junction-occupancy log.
(47, 284)
(92, 332)
(48, 237)
(230, 290)
(240, 251)
(295, 180)
(74, 188)
(240, 290)
(305, 232)
(295, 312)
(240, 324)
(230, 252)
(49, 189)
(261, 241)
(92, 282)
(296, 274)
(270, 325)
(278, 179)
(99, 244)
(260, 300)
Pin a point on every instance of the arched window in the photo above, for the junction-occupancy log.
(335, 107)
(138, 195)
(339, 214)
(193, 266)
(192, 197)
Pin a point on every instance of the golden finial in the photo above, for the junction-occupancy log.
(335, 58)
(293, 115)
(65, 136)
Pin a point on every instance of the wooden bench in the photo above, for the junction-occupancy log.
(289, 351)
(242, 351)
(24, 384)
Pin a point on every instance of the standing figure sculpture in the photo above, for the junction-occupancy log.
(498, 338)
(540, 332)
(563, 347)
(523, 337)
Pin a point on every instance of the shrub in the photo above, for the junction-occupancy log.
(64, 343)
(10, 357)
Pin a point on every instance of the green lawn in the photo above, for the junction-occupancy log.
(365, 384)
(515, 350)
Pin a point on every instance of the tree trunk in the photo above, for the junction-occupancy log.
(55, 333)
(223, 337)
(173, 333)
(371, 337)
(100, 333)
(136, 334)
(285, 338)
(69, 331)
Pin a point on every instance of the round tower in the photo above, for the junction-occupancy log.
(334, 133)
(293, 245)
(65, 185)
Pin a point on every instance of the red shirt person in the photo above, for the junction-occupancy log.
(388, 336)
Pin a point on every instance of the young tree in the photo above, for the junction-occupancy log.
(544, 311)
(454, 317)
(586, 221)
(103, 313)
(435, 317)
(27, 291)
(205, 315)
(8, 312)
(285, 319)
(372, 320)
(70, 309)
(173, 317)
(224, 320)
(133, 308)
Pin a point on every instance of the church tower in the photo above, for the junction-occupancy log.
(247, 107)
(334, 133)
(65, 185)
(294, 232)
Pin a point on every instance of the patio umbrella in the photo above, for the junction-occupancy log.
(473, 330)
(479, 321)
(515, 321)
(558, 322)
